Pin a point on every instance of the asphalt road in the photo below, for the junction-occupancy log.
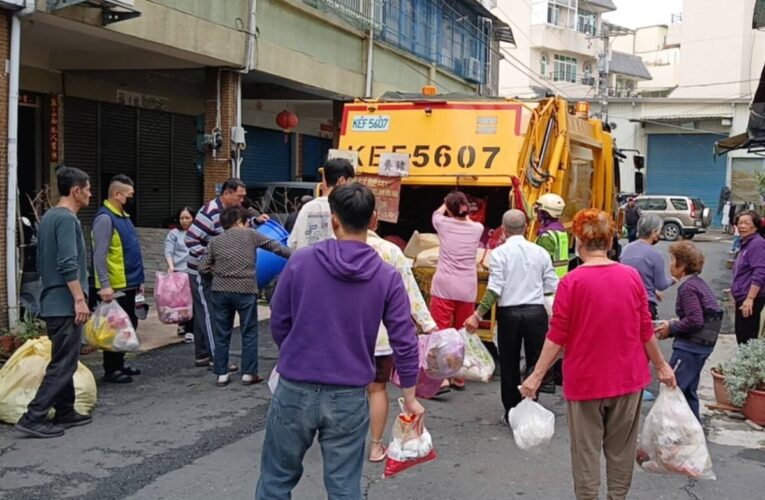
(173, 434)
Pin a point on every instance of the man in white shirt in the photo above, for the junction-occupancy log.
(314, 221)
(520, 274)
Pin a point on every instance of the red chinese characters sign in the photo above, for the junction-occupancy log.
(54, 127)
(387, 192)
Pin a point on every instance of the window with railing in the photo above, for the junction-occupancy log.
(562, 13)
(586, 22)
(444, 32)
(564, 69)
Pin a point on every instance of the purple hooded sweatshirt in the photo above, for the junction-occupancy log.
(326, 312)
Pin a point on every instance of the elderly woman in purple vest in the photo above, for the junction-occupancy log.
(698, 320)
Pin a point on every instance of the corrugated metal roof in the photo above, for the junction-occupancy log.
(680, 111)
(627, 64)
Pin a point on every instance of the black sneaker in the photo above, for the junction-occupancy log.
(44, 429)
(130, 371)
(118, 378)
(72, 419)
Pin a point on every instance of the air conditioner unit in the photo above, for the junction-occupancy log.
(611, 92)
(588, 80)
(473, 69)
(546, 76)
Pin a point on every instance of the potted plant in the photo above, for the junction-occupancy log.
(6, 343)
(721, 392)
(745, 380)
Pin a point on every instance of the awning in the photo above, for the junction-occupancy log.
(732, 143)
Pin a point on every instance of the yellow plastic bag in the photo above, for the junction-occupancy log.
(23, 373)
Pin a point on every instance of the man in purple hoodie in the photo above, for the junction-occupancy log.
(325, 315)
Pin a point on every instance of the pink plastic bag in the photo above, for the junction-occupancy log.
(427, 383)
(172, 294)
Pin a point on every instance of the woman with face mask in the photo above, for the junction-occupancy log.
(177, 256)
(648, 261)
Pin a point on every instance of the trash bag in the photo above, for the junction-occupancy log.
(408, 447)
(427, 383)
(172, 294)
(22, 375)
(444, 353)
(533, 425)
(672, 440)
(110, 329)
(478, 365)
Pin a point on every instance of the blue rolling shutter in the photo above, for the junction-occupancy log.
(267, 157)
(315, 151)
(683, 164)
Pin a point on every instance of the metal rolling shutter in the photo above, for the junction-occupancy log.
(154, 155)
(118, 145)
(81, 146)
(683, 164)
(186, 178)
(267, 157)
(315, 151)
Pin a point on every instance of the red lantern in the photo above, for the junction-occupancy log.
(287, 120)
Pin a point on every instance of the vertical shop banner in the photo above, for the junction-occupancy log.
(387, 191)
(54, 129)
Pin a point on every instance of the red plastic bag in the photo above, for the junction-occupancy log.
(408, 447)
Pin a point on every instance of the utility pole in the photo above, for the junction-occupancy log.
(608, 32)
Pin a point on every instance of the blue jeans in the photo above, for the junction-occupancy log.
(688, 374)
(226, 306)
(298, 411)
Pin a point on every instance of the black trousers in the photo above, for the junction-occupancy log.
(57, 387)
(115, 361)
(654, 308)
(204, 342)
(749, 328)
(518, 325)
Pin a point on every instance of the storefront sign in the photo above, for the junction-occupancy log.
(54, 129)
(387, 191)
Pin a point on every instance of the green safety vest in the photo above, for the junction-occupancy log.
(560, 254)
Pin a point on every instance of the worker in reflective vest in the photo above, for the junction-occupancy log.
(551, 235)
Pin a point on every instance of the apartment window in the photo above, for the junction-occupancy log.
(586, 23)
(565, 69)
(543, 64)
(561, 13)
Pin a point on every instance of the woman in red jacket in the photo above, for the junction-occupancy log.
(601, 318)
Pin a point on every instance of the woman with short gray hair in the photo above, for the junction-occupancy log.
(648, 261)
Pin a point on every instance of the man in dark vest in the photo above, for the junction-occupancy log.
(118, 265)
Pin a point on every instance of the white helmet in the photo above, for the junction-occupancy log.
(552, 204)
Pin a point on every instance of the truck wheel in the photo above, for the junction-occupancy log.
(671, 231)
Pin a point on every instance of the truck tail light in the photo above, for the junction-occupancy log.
(693, 211)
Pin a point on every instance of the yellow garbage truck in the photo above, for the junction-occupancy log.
(502, 153)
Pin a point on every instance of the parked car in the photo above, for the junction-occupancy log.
(278, 199)
(683, 216)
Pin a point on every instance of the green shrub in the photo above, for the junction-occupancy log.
(746, 370)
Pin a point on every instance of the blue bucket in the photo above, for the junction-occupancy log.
(268, 265)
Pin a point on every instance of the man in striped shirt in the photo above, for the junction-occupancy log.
(205, 227)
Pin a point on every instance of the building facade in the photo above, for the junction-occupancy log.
(705, 67)
(181, 94)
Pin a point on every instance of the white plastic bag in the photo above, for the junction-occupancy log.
(533, 425)
(478, 365)
(549, 301)
(672, 440)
